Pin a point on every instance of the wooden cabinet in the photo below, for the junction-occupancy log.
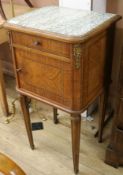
(114, 152)
(44, 67)
(63, 60)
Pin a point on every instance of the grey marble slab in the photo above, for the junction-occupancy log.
(66, 21)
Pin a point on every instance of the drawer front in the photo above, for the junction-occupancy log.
(44, 76)
(43, 44)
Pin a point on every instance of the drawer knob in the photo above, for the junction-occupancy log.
(37, 43)
(19, 69)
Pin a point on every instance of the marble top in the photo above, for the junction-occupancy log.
(60, 20)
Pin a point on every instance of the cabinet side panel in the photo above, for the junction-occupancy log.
(94, 67)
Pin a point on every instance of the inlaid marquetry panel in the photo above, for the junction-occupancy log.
(44, 76)
(96, 60)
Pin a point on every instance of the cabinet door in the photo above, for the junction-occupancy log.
(44, 76)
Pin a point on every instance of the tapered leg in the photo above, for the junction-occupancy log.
(25, 109)
(55, 114)
(102, 111)
(3, 98)
(75, 132)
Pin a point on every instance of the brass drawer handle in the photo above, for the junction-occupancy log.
(19, 69)
(37, 43)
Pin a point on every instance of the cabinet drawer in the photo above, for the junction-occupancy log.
(44, 76)
(43, 44)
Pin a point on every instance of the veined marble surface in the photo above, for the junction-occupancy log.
(60, 20)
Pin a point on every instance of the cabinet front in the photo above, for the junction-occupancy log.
(44, 76)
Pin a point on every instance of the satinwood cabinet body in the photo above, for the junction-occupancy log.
(62, 57)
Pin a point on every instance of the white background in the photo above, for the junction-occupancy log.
(98, 5)
(78, 4)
